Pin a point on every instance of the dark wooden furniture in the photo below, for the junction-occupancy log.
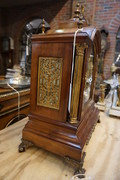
(52, 125)
(9, 106)
(6, 54)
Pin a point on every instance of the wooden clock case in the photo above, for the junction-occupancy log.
(51, 126)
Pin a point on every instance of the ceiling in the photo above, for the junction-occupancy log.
(13, 3)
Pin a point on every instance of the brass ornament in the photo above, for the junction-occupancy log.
(113, 68)
(24, 145)
(49, 82)
(82, 10)
(43, 27)
(81, 17)
(77, 82)
(101, 98)
(77, 11)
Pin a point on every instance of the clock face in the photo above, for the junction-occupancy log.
(88, 78)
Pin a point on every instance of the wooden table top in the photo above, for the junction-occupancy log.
(102, 161)
(34, 164)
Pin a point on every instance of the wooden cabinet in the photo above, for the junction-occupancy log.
(9, 112)
(60, 119)
(6, 56)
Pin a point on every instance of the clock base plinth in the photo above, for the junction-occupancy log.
(64, 139)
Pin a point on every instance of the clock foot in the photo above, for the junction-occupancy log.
(24, 145)
(78, 166)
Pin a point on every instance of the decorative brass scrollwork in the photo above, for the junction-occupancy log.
(49, 82)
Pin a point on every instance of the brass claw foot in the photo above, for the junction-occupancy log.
(78, 166)
(81, 172)
(24, 145)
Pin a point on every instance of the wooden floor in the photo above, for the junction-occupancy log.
(102, 161)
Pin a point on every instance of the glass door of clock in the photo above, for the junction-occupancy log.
(88, 78)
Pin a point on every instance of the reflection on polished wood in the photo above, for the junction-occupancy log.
(9, 105)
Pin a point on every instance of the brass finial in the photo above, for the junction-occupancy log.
(80, 22)
(77, 11)
(102, 87)
(82, 10)
(43, 26)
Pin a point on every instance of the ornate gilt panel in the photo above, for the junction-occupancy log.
(49, 82)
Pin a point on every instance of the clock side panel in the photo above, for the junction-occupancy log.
(50, 79)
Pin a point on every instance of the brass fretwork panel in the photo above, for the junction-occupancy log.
(49, 82)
